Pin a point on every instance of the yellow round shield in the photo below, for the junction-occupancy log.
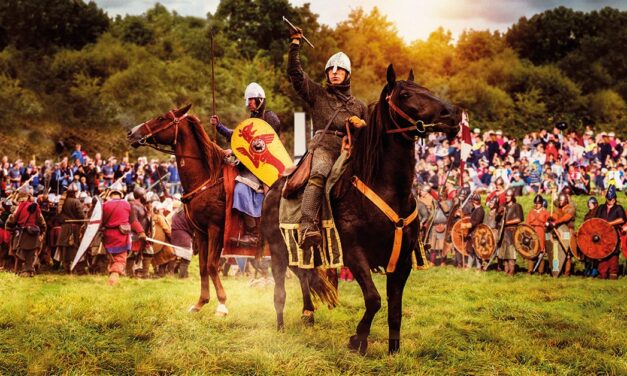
(259, 148)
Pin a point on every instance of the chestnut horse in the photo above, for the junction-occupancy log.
(199, 161)
(383, 157)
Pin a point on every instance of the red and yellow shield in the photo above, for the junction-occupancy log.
(259, 148)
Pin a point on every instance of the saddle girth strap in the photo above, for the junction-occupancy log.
(399, 223)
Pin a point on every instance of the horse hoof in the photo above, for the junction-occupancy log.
(222, 311)
(193, 309)
(280, 327)
(394, 345)
(308, 318)
(357, 344)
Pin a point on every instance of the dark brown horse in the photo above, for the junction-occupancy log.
(383, 158)
(199, 161)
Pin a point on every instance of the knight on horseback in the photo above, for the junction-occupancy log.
(330, 107)
(249, 190)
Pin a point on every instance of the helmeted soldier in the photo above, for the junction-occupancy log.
(615, 215)
(249, 190)
(330, 108)
(142, 215)
(537, 219)
(563, 220)
(458, 213)
(477, 214)
(592, 266)
(513, 215)
(28, 226)
(436, 236)
(71, 213)
(118, 220)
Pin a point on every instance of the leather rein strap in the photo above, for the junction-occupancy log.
(175, 121)
(417, 124)
(399, 223)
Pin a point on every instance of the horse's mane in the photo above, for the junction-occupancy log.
(367, 151)
(211, 152)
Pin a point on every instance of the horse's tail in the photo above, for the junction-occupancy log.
(321, 288)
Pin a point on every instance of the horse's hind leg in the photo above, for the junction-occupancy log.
(203, 259)
(361, 272)
(395, 285)
(308, 306)
(215, 249)
(279, 268)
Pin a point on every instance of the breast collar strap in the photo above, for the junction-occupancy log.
(399, 223)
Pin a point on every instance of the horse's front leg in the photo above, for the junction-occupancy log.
(361, 271)
(204, 273)
(214, 250)
(395, 285)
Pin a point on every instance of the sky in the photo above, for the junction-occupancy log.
(414, 19)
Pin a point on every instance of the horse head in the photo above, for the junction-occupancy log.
(162, 130)
(414, 110)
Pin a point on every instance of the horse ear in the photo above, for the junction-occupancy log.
(411, 75)
(391, 76)
(183, 110)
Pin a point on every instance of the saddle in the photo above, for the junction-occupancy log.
(297, 177)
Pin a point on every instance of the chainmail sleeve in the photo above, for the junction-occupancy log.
(304, 86)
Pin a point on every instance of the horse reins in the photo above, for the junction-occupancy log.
(417, 125)
(175, 121)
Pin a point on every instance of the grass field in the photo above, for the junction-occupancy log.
(454, 322)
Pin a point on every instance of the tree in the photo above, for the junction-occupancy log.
(44, 24)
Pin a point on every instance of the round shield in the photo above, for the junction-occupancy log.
(597, 238)
(526, 241)
(459, 236)
(483, 241)
(623, 244)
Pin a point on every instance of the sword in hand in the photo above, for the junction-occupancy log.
(297, 29)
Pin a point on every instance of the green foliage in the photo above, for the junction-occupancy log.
(16, 100)
(47, 23)
(454, 322)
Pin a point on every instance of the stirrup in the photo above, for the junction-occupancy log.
(310, 237)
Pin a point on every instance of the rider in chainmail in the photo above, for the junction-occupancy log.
(331, 106)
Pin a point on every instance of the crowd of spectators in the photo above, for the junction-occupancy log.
(92, 173)
(540, 162)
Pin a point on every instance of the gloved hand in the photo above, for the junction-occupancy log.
(141, 236)
(296, 34)
(214, 120)
(356, 122)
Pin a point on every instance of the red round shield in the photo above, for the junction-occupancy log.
(596, 238)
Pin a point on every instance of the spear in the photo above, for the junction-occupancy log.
(213, 86)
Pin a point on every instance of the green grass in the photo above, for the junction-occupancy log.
(454, 322)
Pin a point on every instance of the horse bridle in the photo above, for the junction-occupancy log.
(417, 125)
(175, 121)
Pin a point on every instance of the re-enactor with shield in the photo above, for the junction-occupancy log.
(562, 225)
(537, 219)
(614, 214)
(512, 216)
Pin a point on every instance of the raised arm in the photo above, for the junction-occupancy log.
(303, 85)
